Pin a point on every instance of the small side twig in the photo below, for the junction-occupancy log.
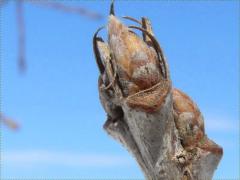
(69, 9)
(21, 36)
(9, 122)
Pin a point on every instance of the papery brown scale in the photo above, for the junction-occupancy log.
(132, 55)
(150, 100)
(183, 103)
(105, 56)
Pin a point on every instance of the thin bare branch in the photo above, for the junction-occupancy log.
(9, 122)
(69, 9)
(21, 36)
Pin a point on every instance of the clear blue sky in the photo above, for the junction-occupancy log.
(56, 101)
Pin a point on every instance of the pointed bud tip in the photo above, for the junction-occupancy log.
(113, 19)
(115, 26)
(112, 8)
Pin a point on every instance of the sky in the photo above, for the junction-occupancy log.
(56, 101)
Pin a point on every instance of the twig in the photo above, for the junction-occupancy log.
(21, 36)
(9, 122)
(69, 9)
(160, 125)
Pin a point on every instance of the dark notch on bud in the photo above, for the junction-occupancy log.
(112, 8)
(96, 51)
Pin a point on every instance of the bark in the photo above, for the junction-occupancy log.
(159, 125)
(152, 138)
